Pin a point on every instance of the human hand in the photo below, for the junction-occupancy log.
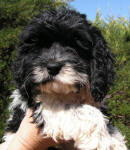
(28, 136)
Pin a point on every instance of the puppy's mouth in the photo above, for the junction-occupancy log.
(57, 87)
(65, 82)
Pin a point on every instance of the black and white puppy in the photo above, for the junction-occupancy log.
(63, 70)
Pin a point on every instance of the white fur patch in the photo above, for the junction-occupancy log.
(8, 137)
(17, 100)
(40, 74)
(85, 124)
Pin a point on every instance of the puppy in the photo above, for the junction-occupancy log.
(63, 70)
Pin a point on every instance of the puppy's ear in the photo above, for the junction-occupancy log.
(18, 70)
(102, 68)
(22, 76)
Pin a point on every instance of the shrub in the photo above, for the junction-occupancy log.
(117, 34)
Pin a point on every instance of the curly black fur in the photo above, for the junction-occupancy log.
(14, 123)
(67, 28)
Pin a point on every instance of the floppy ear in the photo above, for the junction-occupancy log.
(22, 77)
(102, 68)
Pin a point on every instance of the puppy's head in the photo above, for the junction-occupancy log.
(61, 52)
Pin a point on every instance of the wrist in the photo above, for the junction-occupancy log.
(29, 142)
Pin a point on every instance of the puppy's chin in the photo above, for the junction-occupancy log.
(65, 93)
(57, 87)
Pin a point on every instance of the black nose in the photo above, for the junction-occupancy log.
(54, 68)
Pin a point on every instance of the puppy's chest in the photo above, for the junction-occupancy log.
(64, 120)
(58, 114)
(60, 120)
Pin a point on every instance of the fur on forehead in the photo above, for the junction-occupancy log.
(64, 26)
(70, 29)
